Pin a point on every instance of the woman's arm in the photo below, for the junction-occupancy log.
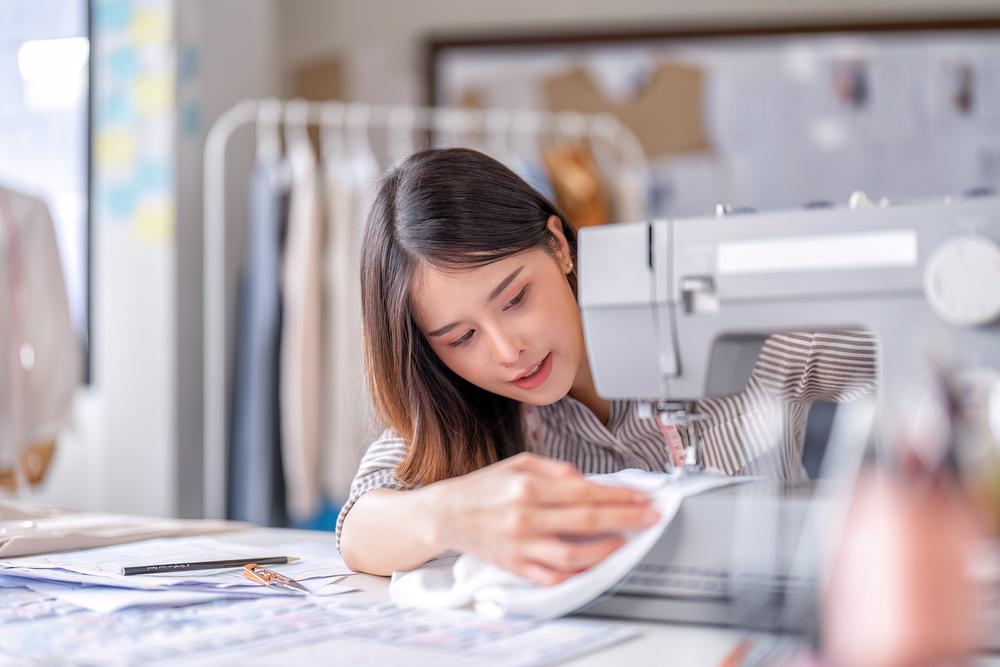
(515, 514)
(836, 366)
(388, 530)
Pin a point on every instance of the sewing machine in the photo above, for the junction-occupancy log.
(677, 310)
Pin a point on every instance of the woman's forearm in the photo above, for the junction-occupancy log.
(388, 530)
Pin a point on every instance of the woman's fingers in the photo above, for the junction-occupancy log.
(590, 519)
(576, 491)
(543, 466)
(539, 574)
(567, 556)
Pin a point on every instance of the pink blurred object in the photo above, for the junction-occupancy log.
(900, 593)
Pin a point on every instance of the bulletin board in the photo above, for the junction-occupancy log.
(764, 117)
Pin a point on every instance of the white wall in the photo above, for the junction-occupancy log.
(383, 38)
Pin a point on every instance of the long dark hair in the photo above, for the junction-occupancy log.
(452, 209)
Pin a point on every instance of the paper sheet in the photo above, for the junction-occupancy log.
(103, 566)
(107, 599)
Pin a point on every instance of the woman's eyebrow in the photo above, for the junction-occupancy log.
(494, 294)
(503, 284)
(443, 330)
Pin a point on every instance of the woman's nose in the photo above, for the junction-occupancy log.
(505, 349)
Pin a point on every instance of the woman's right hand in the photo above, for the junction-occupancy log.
(536, 517)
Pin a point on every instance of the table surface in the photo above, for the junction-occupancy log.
(686, 645)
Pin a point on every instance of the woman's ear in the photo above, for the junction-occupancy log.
(555, 227)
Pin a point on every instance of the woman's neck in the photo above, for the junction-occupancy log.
(583, 390)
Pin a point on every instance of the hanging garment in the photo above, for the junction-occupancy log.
(256, 482)
(577, 184)
(301, 340)
(40, 360)
(351, 187)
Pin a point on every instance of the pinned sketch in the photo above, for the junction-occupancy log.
(154, 219)
(151, 27)
(665, 113)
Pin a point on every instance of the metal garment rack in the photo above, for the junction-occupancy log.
(603, 130)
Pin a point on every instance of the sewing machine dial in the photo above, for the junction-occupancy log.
(962, 281)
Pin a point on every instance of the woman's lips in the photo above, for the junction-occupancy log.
(538, 378)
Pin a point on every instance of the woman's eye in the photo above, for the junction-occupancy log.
(517, 300)
(463, 340)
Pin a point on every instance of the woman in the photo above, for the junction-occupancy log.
(474, 355)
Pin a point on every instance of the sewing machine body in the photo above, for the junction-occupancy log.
(677, 310)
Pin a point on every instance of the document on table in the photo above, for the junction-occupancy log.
(283, 631)
(106, 563)
(92, 578)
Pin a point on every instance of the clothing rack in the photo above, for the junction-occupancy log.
(604, 131)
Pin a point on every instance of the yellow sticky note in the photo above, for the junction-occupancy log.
(150, 27)
(114, 148)
(153, 94)
(154, 220)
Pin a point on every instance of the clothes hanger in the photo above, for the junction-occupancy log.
(399, 133)
(268, 133)
(297, 123)
(362, 155)
(331, 138)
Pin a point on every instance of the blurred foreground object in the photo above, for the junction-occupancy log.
(907, 581)
(900, 594)
(39, 353)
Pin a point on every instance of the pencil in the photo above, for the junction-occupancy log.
(206, 565)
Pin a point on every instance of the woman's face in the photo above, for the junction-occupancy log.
(511, 327)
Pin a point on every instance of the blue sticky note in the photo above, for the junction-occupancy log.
(151, 176)
(191, 119)
(115, 109)
(123, 63)
(112, 14)
(190, 63)
(120, 201)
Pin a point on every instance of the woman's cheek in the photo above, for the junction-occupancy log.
(464, 364)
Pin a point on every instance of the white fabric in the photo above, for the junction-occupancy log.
(350, 188)
(301, 335)
(46, 388)
(496, 592)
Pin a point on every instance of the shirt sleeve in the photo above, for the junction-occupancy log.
(837, 366)
(377, 471)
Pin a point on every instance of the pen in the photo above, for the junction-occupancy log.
(206, 565)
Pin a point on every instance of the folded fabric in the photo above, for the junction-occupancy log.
(458, 581)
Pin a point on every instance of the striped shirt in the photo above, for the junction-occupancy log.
(760, 431)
